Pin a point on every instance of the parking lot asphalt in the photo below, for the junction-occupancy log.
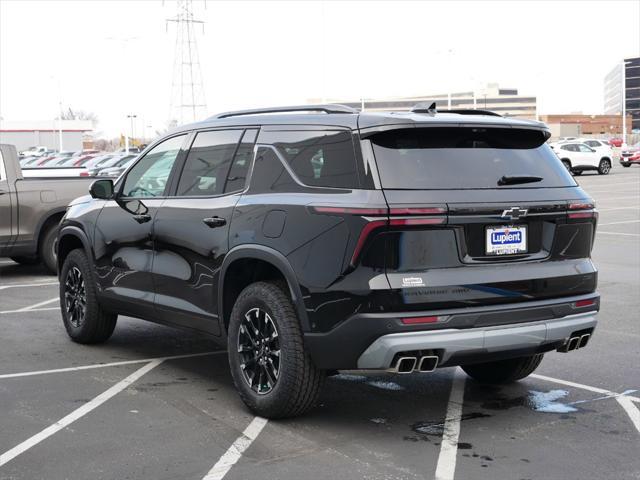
(154, 409)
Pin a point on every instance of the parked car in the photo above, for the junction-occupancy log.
(34, 152)
(118, 168)
(600, 146)
(31, 208)
(97, 160)
(578, 157)
(630, 155)
(616, 142)
(308, 243)
(115, 160)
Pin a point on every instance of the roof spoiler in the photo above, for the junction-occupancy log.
(431, 110)
(327, 108)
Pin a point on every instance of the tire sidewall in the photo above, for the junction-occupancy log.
(48, 248)
(261, 295)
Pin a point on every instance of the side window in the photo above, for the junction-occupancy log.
(208, 163)
(149, 177)
(584, 148)
(237, 177)
(320, 159)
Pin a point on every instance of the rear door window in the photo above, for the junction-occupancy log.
(318, 158)
(465, 158)
(208, 163)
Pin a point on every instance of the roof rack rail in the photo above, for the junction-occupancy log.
(327, 108)
(431, 109)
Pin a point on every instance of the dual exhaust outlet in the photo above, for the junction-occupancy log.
(575, 343)
(424, 364)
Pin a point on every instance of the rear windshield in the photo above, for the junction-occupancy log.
(466, 158)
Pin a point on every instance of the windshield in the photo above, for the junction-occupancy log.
(466, 158)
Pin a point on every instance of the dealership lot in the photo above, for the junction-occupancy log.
(155, 402)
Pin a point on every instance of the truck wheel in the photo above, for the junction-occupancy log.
(26, 260)
(605, 167)
(83, 317)
(47, 249)
(273, 374)
(503, 371)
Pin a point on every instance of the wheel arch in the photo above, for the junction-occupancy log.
(51, 217)
(70, 238)
(246, 264)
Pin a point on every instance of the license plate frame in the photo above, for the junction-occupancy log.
(511, 245)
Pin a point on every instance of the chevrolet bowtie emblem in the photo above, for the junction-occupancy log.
(514, 213)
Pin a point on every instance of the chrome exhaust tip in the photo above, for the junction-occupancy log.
(573, 343)
(406, 364)
(584, 339)
(428, 363)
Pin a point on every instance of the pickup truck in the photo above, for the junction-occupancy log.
(31, 208)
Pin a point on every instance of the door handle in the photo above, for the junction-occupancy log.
(142, 218)
(213, 222)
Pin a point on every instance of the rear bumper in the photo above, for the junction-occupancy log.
(452, 344)
(468, 335)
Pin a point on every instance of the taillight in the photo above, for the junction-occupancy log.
(396, 217)
(581, 210)
(84, 174)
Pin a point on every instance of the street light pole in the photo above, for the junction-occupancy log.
(624, 102)
(131, 117)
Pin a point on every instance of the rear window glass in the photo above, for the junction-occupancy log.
(465, 158)
(319, 159)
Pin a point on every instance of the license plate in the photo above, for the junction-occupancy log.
(506, 240)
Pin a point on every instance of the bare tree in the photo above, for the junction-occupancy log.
(80, 115)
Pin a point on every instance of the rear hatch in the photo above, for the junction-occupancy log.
(480, 215)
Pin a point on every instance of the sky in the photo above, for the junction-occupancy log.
(115, 58)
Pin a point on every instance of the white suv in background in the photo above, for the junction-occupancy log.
(578, 157)
(600, 146)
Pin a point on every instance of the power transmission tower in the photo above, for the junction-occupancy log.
(187, 89)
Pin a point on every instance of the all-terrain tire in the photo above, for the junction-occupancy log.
(299, 382)
(97, 325)
(503, 371)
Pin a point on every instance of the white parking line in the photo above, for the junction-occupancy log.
(105, 365)
(76, 414)
(446, 468)
(619, 233)
(23, 285)
(631, 409)
(235, 451)
(31, 308)
(583, 387)
(619, 223)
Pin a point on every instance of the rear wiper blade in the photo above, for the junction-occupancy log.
(517, 179)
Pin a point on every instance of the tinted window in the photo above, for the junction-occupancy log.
(240, 167)
(148, 178)
(208, 163)
(592, 143)
(465, 158)
(584, 148)
(321, 159)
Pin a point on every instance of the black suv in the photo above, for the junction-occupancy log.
(318, 238)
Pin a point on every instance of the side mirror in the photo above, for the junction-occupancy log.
(101, 189)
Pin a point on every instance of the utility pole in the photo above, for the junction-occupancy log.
(187, 89)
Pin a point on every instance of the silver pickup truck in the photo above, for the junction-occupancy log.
(31, 208)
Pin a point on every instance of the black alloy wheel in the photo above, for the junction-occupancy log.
(259, 351)
(75, 297)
